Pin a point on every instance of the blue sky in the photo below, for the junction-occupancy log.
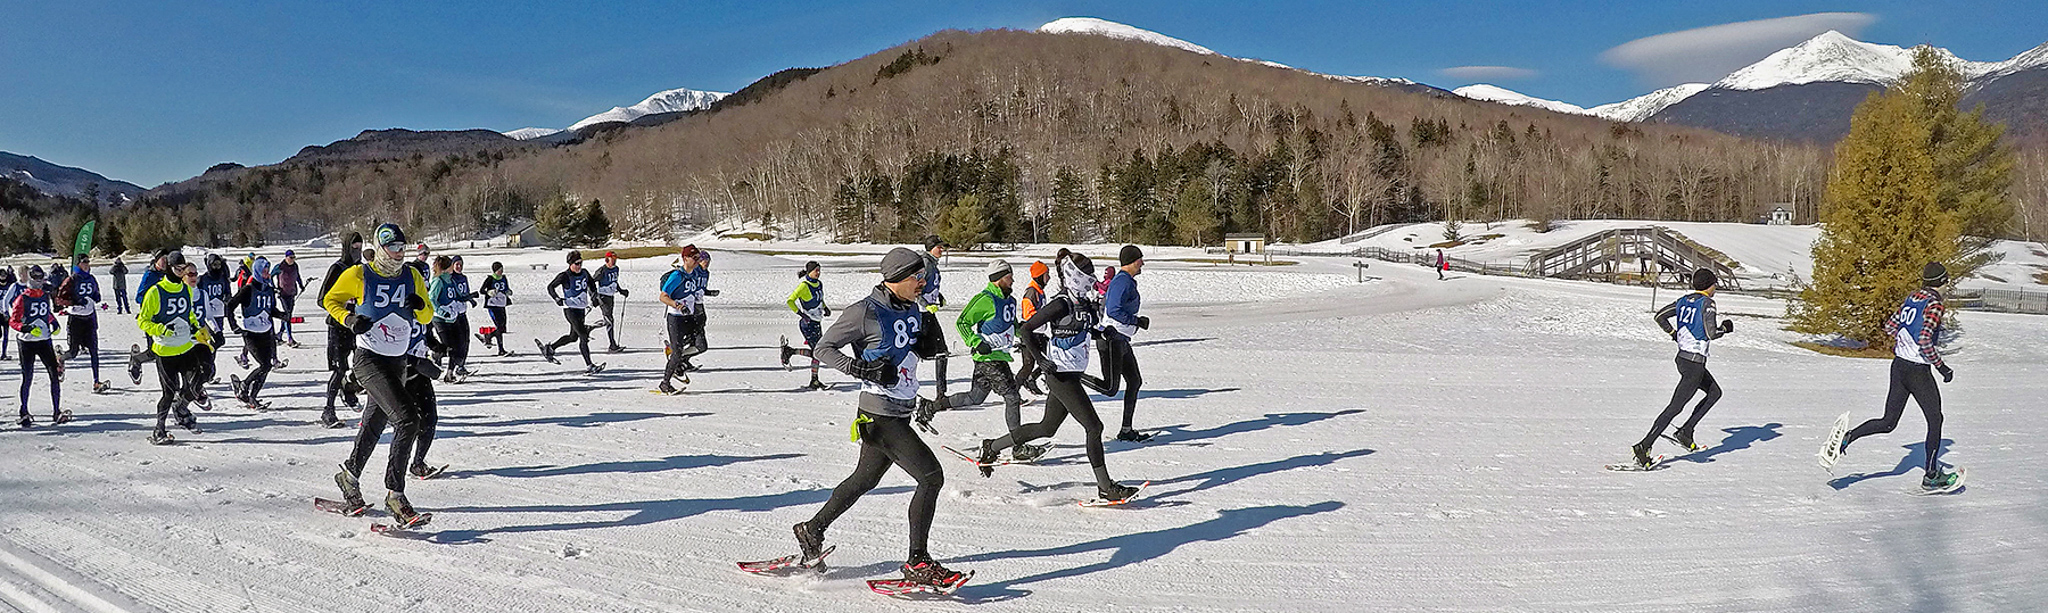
(157, 91)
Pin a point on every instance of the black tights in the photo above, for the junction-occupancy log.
(179, 375)
(1692, 379)
(885, 442)
(1119, 365)
(1917, 381)
(497, 334)
(45, 350)
(383, 378)
(263, 348)
(579, 333)
(455, 336)
(1065, 397)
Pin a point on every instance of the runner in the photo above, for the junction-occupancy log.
(34, 321)
(120, 273)
(171, 313)
(808, 302)
(80, 298)
(682, 293)
(138, 355)
(574, 287)
(384, 303)
(1027, 305)
(451, 297)
(258, 304)
(887, 333)
(607, 290)
(988, 325)
(1121, 322)
(1915, 330)
(1697, 325)
(497, 295)
(341, 342)
(289, 284)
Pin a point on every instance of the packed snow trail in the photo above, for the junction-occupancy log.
(1409, 443)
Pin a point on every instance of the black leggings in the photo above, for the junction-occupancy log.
(341, 347)
(885, 442)
(579, 333)
(179, 376)
(1119, 365)
(1065, 397)
(1692, 379)
(682, 343)
(285, 303)
(45, 350)
(455, 334)
(1908, 379)
(497, 334)
(383, 378)
(611, 327)
(85, 335)
(263, 348)
(429, 417)
(992, 377)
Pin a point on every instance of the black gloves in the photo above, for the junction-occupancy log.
(358, 324)
(873, 371)
(982, 349)
(1144, 323)
(710, 292)
(1948, 375)
(560, 303)
(1727, 326)
(827, 310)
(623, 292)
(931, 340)
(414, 302)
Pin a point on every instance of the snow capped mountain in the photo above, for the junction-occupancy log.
(671, 101)
(1833, 57)
(532, 133)
(2031, 59)
(1491, 93)
(1103, 27)
(1642, 107)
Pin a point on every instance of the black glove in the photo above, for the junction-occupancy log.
(560, 303)
(623, 292)
(710, 292)
(1144, 323)
(1727, 326)
(931, 340)
(358, 324)
(828, 310)
(1948, 375)
(873, 371)
(414, 302)
(982, 349)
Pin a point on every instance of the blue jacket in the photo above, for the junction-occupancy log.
(1120, 302)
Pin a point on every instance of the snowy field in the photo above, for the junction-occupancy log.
(1401, 444)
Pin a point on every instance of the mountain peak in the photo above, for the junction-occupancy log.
(1104, 27)
(1492, 93)
(1833, 56)
(671, 101)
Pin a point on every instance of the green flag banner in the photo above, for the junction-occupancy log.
(84, 243)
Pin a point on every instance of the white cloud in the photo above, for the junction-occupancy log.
(1709, 53)
(1488, 73)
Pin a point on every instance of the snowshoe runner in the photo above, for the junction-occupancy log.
(681, 294)
(988, 326)
(341, 341)
(257, 304)
(384, 303)
(1069, 317)
(887, 333)
(572, 290)
(1120, 323)
(79, 297)
(608, 293)
(1694, 324)
(1914, 329)
(451, 298)
(32, 316)
(808, 302)
(171, 315)
(497, 295)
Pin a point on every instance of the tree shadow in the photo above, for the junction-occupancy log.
(1170, 341)
(1226, 476)
(1181, 432)
(1130, 549)
(1915, 458)
(642, 512)
(1739, 438)
(677, 462)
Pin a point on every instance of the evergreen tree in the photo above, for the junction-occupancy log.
(596, 227)
(966, 223)
(1881, 221)
(1069, 204)
(1973, 170)
(1194, 213)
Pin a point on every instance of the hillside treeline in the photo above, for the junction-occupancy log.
(1012, 136)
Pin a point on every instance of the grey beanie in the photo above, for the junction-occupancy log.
(900, 264)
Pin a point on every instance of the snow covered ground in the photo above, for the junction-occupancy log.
(1401, 444)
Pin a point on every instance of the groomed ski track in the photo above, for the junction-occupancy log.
(1325, 445)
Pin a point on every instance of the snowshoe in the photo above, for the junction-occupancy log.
(1031, 384)
(293, 344)
(921, 576)
(160, 437)
(403, 516)
(1684, 439)
(594, 368)
(669, 389)
(786, 353)
(60, 418)
(1832, 448)
(242, 361)
(817, 385)
(102, 387)
(1641, 461)
(1115, 494)
(189, 423)
(1133, 436)
(546, 353)
(1942, 483)
(241, 393)
(424, 472)
(26, 422)
(329, 420)
(342, 508)
(989, 456)
(615, 349)
(483, 339)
